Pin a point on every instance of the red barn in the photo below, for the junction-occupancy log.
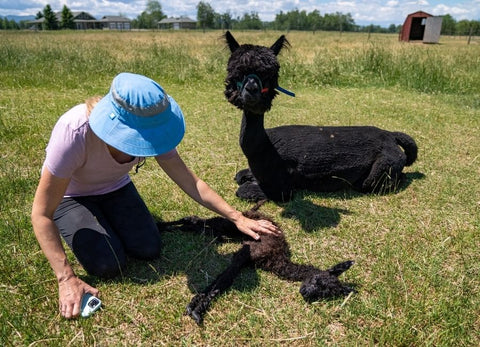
(421, 26)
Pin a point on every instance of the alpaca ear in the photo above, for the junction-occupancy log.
(231, 42)
(282, 42)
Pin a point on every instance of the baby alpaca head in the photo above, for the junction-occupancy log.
(325, 284)
(252, 74)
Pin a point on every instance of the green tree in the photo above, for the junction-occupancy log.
(39, 15)
(23, 24)
(280, 21)
(448, 25)
(392, 28)
(330, 22)
(225, 20)
(50, 22)
(149, 18)
(67, 18)
(154, 10)
(250, 21)
(463, 27)
(314, 20)
(143, 21)
(205, 15)
(14, 25)
(345, 21)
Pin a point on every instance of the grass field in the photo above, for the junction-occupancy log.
(417, 253)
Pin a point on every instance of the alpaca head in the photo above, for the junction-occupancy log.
(252, 74)
(325, 284)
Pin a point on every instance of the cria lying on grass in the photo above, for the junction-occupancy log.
(270, 253)
(296, 157)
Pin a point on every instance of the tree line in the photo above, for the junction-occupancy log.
(208, 18)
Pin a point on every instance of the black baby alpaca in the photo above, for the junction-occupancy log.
(295, 157)
(270, 253)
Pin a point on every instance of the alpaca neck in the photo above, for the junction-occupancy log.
(253, 137)
(266, 164)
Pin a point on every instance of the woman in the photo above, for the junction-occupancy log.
(86, 195)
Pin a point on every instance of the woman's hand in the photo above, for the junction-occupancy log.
(201, 192)
(70, 292)
(253, 227)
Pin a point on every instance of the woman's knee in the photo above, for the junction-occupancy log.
(146, 250)
(106, 268)
(99, 254)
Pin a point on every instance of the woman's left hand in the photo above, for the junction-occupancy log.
(253, 227)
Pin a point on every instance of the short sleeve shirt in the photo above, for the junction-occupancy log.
(75, 152)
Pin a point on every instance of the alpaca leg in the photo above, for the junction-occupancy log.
(384, 175)
(243, 176)
(190, 223)
(199, 304)
(218, 227)
(340, 268)
(251, 191)
(325, 284)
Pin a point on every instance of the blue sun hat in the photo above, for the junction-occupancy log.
(137, 117)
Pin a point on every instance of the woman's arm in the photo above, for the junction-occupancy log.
(199, 191)
(48, 196)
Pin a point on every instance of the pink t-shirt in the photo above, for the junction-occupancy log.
(75, 152)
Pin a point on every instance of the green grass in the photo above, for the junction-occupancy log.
(416, 251)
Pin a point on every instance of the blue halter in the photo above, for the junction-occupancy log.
(240, 85)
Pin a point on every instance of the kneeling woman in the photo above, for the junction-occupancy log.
(86, 195)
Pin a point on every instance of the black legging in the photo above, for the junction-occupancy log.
(102, 229)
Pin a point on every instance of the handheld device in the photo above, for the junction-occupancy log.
(90, 304)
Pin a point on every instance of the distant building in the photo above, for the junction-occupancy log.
(421, 26)
(115, 23)
(177, 23)
(84, 21)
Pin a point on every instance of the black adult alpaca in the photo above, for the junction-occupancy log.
(270, 253)
(297, 157)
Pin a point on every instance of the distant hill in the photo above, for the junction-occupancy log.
(18, 18)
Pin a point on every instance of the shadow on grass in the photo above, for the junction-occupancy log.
(310, 215)
(313, 217)
(410, 177)
(198, 255)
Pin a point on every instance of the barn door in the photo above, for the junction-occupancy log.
(433, 27)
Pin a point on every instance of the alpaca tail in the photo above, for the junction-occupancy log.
(409, 146)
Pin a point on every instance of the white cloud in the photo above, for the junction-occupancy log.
(443, 9)
(380, 12)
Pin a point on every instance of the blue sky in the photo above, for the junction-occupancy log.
(364, 12)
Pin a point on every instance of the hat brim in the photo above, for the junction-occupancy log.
(148, 141)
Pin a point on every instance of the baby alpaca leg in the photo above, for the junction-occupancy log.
(199, 304)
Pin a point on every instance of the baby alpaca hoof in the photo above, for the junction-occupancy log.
(340, 268)
(197, 308)
(198, 318)
(347, 290)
